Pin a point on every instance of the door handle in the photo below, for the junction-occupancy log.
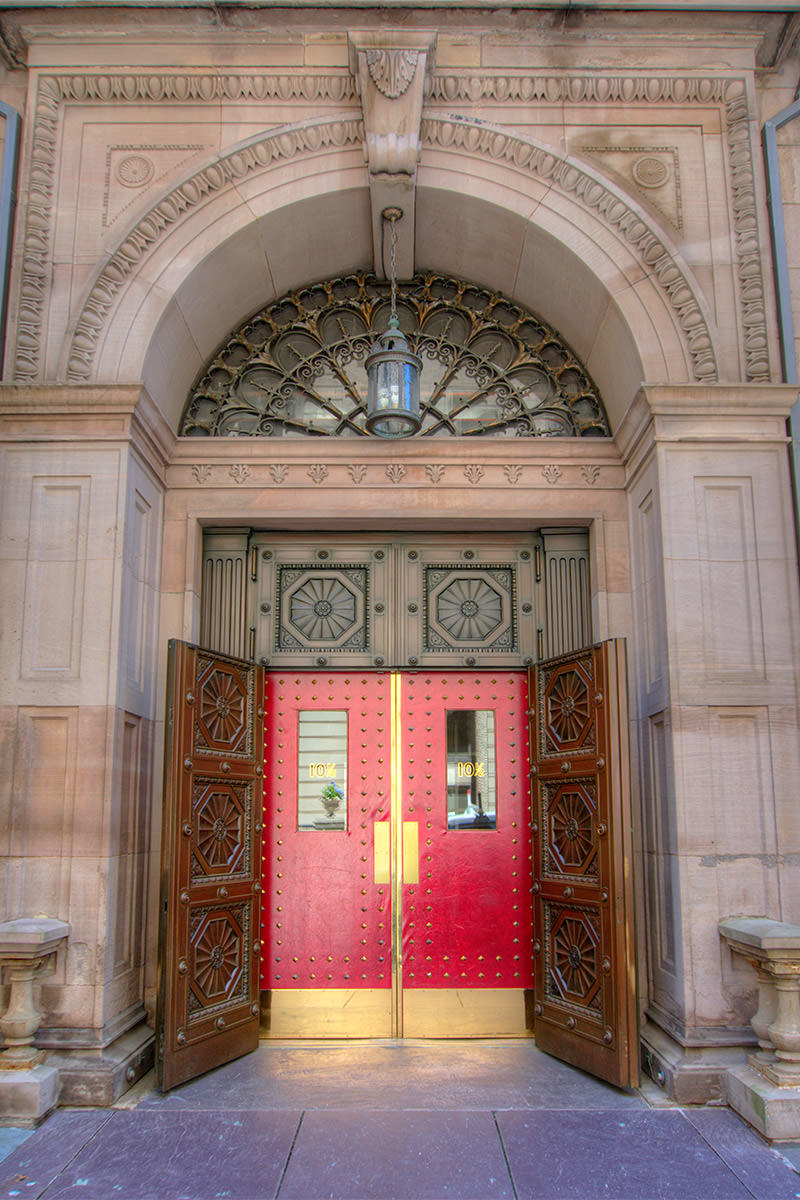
(410, 852)
(380, 833)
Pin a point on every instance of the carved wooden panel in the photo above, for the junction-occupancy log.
(582, 863)
(210, 866)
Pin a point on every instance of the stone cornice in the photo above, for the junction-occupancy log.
(726, 414)
(52, 413)
(729, 94)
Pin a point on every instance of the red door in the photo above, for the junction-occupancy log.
(466, 924)
(327, 965)
(397, 854)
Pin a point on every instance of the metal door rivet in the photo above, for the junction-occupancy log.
(256, 887)
(187, 829)
(605, 965)
(220, 1022)
(598, 698)
(601, 762)
(570, 1022)
(608, 1037)
(536, 887)
(189, 698)
(565, 766)
(183, 967)
(601, 830)
(187, 762)
(567, 892)
(180, 1038)
(604, 895)
(184, 897)
(225, 767)
(538, 1010)
(254, 1010)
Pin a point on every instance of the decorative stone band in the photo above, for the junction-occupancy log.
(730, 94)
(608, 204)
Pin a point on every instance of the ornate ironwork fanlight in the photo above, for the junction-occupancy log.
(489, 367)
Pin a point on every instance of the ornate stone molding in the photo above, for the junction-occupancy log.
(657, 259)
(728, 94)
(53, 91)
(279, 145)
(204, 89)
(578, 89)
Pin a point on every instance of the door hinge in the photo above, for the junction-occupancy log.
(254, 563)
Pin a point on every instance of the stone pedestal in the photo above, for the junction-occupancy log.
(767, 1091)
(28, 1089)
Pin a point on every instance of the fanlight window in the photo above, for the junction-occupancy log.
(490, 368)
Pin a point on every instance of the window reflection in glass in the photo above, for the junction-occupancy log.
(471, 772)
(322, 770)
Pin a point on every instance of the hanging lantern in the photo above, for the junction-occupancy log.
(393, 370)
(392, 385)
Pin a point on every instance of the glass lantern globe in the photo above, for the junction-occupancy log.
(393, 373)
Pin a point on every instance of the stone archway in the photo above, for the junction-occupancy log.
(289, 206)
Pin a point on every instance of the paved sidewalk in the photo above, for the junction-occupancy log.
(393, 1121)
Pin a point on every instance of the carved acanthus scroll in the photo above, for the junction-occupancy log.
(392, 70)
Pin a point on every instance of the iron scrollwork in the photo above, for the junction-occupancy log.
(490, 368)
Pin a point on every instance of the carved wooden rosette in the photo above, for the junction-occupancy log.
(582, 863)
(210, 866)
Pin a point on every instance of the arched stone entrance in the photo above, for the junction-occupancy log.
(695, 464)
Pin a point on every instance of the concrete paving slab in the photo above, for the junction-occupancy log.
(654, 1155)
(33, 1165)
(767, 1176)
(383, 1155)
(141, 1155)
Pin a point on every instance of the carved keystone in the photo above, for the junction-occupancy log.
(773, 950)
(392, 70)
(28, 948)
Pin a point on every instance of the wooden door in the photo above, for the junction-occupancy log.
(585, 1001)
(207, 1011)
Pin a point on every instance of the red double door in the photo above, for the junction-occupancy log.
(396, 854)
(349, 854)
